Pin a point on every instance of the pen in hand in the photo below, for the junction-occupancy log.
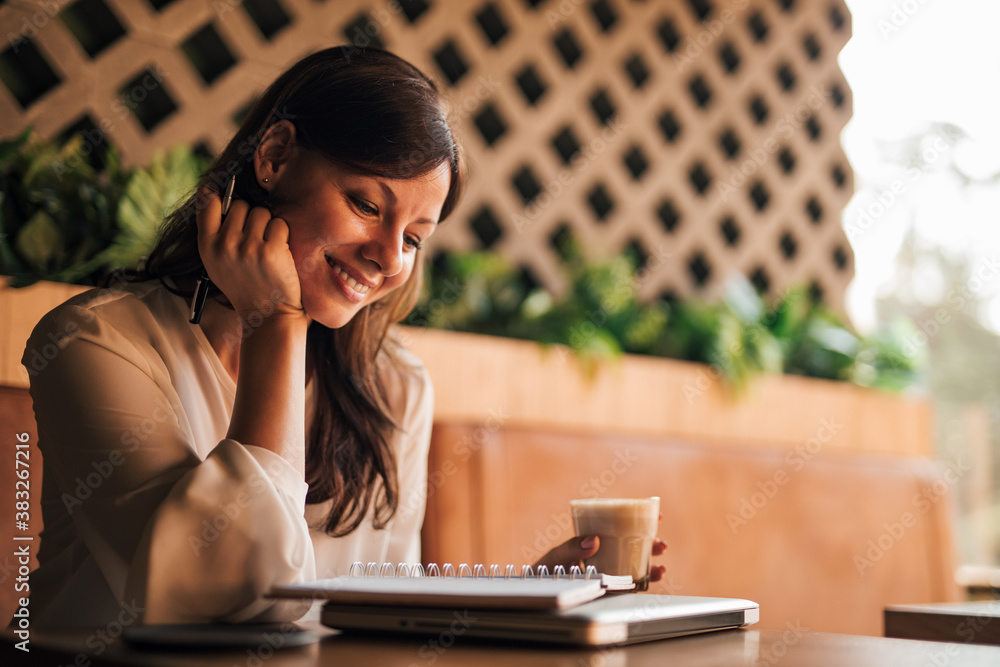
(204, 283)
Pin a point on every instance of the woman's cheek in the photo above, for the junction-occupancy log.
(309, 265)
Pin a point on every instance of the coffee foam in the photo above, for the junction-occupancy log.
(616, 516)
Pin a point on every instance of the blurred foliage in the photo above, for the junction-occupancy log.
(63, 221)
(601, 317)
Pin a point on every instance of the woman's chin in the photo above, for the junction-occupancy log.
(330, 315)
(332, 320)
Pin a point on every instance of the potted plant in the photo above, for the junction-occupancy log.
(63, 220)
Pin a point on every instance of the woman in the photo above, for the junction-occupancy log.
(190, 467)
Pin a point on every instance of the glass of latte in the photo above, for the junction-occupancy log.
(626, 528)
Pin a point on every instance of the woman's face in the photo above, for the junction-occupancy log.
(353, 237)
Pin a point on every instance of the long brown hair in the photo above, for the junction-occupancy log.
(371, 112)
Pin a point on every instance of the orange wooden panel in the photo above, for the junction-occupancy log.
(824, 538)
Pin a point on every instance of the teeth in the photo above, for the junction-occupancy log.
(355, 285)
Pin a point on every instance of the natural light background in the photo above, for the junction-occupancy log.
(911, 63)
(919, 69)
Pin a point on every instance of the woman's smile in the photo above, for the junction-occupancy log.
(354, 289)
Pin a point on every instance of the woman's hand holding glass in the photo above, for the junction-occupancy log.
(578, 549)
(246, 255)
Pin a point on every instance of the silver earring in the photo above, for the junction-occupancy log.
(265, 180)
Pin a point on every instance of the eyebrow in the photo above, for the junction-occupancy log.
(391, 196)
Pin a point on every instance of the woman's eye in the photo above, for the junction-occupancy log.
(363, 206)
(413, 242)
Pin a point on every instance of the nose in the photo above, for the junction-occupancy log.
(385, 248)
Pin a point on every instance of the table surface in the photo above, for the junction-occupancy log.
(970, 622)
(989, 608)
(787, 647)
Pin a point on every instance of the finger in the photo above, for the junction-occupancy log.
(276, 231)
(255, 225)
(656, 572)
(659, 546)
(235, 220)
(572, 551)
(208, 214)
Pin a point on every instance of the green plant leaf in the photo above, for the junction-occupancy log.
(149, 196)
(39, 240)
(10, 148)
(742, 300)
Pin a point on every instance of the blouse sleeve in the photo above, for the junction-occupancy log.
(413, 445)
(184, 539)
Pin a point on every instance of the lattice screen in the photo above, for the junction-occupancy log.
(702, 136)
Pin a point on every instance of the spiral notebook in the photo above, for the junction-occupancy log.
(473, 587)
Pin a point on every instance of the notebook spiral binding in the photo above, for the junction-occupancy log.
(477, 571)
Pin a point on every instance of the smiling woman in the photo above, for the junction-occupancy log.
(365, 228)
(292, 430)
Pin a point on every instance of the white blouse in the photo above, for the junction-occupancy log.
(150, 513)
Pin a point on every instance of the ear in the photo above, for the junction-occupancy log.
(273, 152)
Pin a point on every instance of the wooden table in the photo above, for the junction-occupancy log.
(787, 647)
(970, 622)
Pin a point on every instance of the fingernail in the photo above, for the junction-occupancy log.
(588, 542)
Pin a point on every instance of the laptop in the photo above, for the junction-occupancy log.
(621, 618)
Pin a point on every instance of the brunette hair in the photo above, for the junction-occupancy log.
(373, 113)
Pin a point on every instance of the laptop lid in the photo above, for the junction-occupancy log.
(613, 619)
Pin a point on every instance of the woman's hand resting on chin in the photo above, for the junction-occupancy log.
(247, 256)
